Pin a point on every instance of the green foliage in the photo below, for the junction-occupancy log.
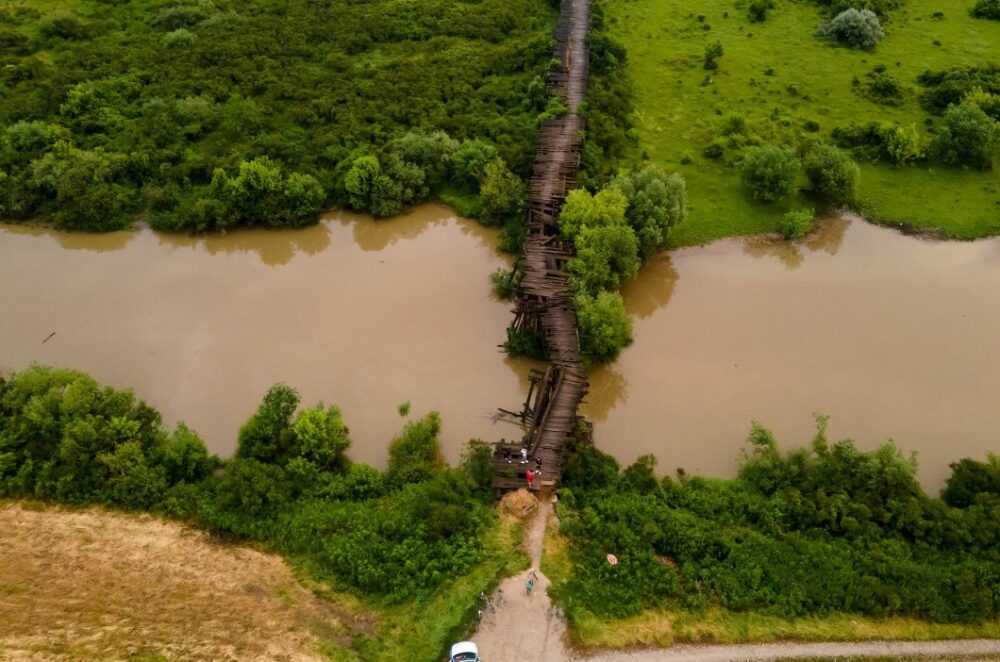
(64, 438)
(583, 210)
(903, 144)
(656, 203)
(973, 482)
(477, 463)
(769, 173)
(554, 109)
(605, 257)
(605, 327)
(505, 283)
(404, 409)
(757, 10)
(415, 455)
(946, 87)
(155, 100)
(968, 137)
(855, 28)
(987, 9)
(831, 173)
(988, 102)
(470, 160)
(713, 52)
(503, 194)
(809, 532)
(885, 89)
(796, 223)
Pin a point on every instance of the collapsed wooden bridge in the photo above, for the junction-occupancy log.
(545, 302)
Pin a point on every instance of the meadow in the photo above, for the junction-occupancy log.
(792, 87)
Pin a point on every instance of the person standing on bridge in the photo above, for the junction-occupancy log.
(531, 478)
(524, 456)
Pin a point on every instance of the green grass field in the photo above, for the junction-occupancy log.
(678, 114)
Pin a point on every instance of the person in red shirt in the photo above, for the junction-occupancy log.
(531, 478)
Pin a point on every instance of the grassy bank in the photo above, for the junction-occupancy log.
(410, 548)
(822, 544)
(779, 76)
(664, 627)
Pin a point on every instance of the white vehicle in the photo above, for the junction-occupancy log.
(464, 651)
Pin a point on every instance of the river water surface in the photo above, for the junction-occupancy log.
(892, 336)
(359, 313)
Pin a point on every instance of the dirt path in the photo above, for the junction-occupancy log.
(979, 649)
(525, 627)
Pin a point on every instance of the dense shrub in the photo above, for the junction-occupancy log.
(503, 194)
(605, 327)
(831, 173)
(968, 136)
(713, 52)
(987, 9)
(950, 86)
(769, 173)
(895, 143)
(64, 438)
(210, 87)
(855, 28)
(796, 223)
(758, 9)
(803, 533)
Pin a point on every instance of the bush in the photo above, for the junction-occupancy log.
(903, 144)
(758, 9)
(583, 210)
(712, 53)
(796, 223)
(656, 203)
(503, 194)
(605, 327)
(855, 28)
(831, 173)
(179, 38)
(968, 136)
(951, 86)
(415, 454)
(987, 9)
(769, 172)
(605, 257)
(884, 89)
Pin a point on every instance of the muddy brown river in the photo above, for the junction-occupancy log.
(892, 336)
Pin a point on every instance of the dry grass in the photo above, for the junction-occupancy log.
(99, 585)
(664, 628)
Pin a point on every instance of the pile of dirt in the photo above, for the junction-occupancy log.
(100, 585)
(518, 505)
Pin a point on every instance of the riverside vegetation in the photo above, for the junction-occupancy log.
(200, 116)
(824, 542)
(418, 541)
(774, 106)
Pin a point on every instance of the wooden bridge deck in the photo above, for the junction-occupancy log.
(545, 296)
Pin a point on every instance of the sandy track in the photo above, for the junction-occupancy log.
(99, 585)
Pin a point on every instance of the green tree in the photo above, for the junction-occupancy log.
(322, 438)
(468, 163)
(769, 172)
(605, 327)
(259, 193)
(987, 9)
(477, 463)
(656, 203)
(503, 194)
(968, 136)
(903, 144)
(267, 436)
(185, 458)
(605, 256)
(361, 181)
(970, 479)
(415, 455)
(796, 223)
(831, 172)
(583, 210)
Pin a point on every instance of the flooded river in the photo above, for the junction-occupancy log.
(361, 314)
(892, 336)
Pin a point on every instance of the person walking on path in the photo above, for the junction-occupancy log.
(531, 478)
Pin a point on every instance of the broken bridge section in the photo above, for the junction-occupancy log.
(545, 301)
